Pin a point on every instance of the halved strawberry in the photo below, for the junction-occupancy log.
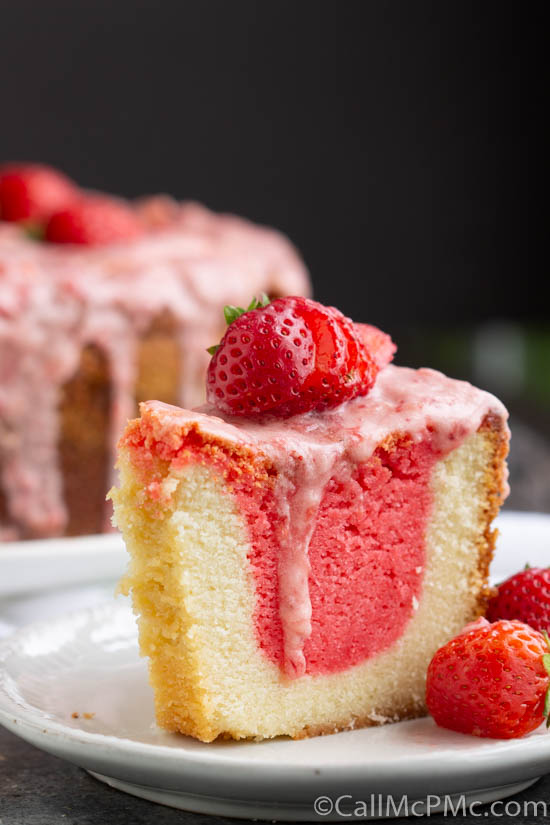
(378, 343)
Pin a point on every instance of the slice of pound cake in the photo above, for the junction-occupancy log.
(302, 545)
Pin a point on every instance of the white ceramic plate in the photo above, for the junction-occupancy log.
(19, 610)
(88, 663)
(29, 566)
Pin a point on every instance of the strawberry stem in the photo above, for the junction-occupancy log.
(33, 230)
(231, 313)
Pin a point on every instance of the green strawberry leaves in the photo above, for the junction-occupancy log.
(33, 230)
(231, 313)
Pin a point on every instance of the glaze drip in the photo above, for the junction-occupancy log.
(56, 300)
(298, 493)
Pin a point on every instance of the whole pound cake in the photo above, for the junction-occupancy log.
(299, 553)
(114, 303)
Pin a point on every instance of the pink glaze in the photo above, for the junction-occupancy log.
(342, 508)
(55, 300)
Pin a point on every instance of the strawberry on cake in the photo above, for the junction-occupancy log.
(302, 545)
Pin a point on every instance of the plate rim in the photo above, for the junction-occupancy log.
(88, 559)
(30, 548)
(18, 717)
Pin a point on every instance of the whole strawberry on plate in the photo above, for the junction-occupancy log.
(524, 596)
(493, 680)
(293, 355)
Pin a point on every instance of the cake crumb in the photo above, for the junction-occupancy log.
(378, 718)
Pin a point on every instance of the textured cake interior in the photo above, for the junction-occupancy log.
(194, 591)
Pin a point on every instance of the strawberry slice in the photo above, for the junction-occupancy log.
(378, 343)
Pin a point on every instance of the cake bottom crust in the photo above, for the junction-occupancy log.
(414, 711)
(196, 603)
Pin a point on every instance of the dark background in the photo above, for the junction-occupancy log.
(394, 142)
(390, 140)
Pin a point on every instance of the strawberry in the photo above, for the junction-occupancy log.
(492, 680)
(524, 596)
(94, 221)
(378, 343)
(31, 191)
(288, 357)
